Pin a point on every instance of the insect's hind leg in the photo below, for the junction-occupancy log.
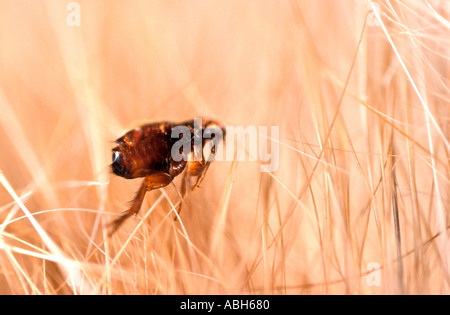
(199, 168)
(151, 182)
(193, 169)
(185, 185)
(201, 175)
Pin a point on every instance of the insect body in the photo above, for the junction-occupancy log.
(148, 151)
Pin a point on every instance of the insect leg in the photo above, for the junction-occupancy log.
(193, 168)
(185, 185)
(151, 182)
(198, 168)
(202, 174)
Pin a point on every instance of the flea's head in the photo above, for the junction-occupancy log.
(126, 158)
(122, 162)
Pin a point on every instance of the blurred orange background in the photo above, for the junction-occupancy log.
(358, 146)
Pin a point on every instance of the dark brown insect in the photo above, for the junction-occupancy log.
(158, 152)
